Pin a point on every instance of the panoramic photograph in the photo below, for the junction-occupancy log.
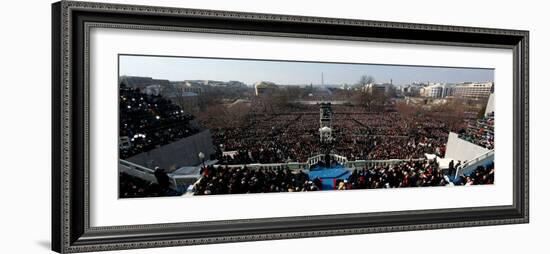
(192, 126)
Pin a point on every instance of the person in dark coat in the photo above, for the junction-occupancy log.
(162, 178)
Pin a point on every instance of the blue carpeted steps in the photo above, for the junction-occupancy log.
(328, 175)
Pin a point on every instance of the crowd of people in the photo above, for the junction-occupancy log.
(264, 139)
(266, 134)
(480, 132)
(134, 187)
(421, 173)
(481, 175)
(240, 180)
(410, 173)
(293, 135)
(147, 121)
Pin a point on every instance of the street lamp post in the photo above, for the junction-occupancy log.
(201, 156)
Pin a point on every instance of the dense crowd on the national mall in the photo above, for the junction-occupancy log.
(147, 121)
(358, 135)
(480, 132)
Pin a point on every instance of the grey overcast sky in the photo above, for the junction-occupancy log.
(283, 72)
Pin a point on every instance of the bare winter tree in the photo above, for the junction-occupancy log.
(363, 98)
(364, 80)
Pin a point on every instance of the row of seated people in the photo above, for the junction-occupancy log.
(147, 121)
(412, 174)
(480, 132)
(239, 180)
(421, 173)
(481, 175)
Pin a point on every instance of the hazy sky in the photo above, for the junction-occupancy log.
(281, 72)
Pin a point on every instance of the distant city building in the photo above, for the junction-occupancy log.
(265, 88)
(200, 86)
(213, 83)
(236, 84)
(410, 90)
(142, 82)
(436, 91)
(376, 89)
(345, 87)
(227, 84)
(190, 86)
(421, 84)
(465, 90)
(473, 90)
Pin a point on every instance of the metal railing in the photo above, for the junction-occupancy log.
(147, 174)
(377, 163)
(138, 171)
(320, 157)
(269, 166)
(470, 165)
